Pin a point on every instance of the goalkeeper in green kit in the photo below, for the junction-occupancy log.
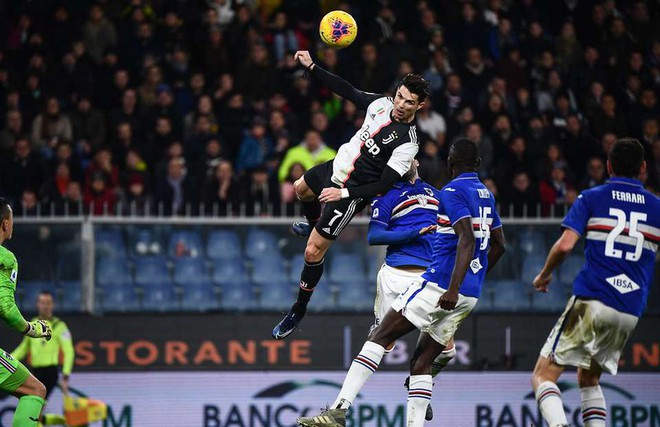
(15, 379)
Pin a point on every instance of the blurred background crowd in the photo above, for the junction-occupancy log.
(187, 107)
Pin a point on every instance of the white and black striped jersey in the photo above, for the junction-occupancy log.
(380, 142)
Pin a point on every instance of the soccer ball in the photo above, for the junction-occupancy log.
(338, 29)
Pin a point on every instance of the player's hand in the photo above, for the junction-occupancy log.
(542, 281)
(39, 329)
(428, 230)
(448, 300)
(64, 384)
(330, 194)
(304, 58)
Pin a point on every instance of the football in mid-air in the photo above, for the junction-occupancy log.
(338, 29)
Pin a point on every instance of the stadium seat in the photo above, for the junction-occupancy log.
(531, 242)
(532, 265)
(199, 299)
(552, 301)
(276, 296)
(223, 244)
(120, 298)
(109, 242)
(297, 264)
(324, 298)
(190, 272)
(268, 269)
(511, 295)
(375, 261)
(237, 297)
(260, 243)
(69, 262)
(229, 272)
(111, 270)
(570, 268)
(487, 298)
(184, 243)
(151, 271)
(160, 299)
(69, 297)
(355, 297)
(27, 292)
(145, 241)
(347, 268)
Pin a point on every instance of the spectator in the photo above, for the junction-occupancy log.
(102, 164)
(522, 198)
(99, 33)
(24, 169)
(178, 70)
(596, 174)
(502, 38)
(553, 158)
(432, 123)
(165, 107)
(474, 133)
(287, 190)
(88, 126)
(514, 160)
(647, 108)
(175, 190)
(310, 152)
(29, 204)
(476, 75)
(578, 146)
(216, 56)
(282, 37)
(511, 68)
(437, 72)
(203, 132)
(148, 90)
(263, 193)
(255, 77)
(55, 188)
(567, 47)
(12, 131)
(368, 73)
(208, 163)
(204, 108)
(555, 190)
(64, 154)
(127, 112)
(51, 123)
(99, 198)
(221, 192)
(523, 107)
(124, 141)
(608, 119)
(135, 184)
(453, 98)
(72, 200)
(255, 148)
(535, 42)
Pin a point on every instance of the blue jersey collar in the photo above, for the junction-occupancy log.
(467, 175)
(404, 184)
(624, 180)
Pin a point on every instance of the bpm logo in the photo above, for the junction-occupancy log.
(625, 412)
(280, 404)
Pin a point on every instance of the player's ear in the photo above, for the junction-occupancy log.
(642, 169)
(478, 163)
(420, 105)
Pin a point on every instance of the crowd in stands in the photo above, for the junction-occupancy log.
(181, 107)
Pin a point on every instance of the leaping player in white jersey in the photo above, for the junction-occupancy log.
(621, 224)
(375, 158)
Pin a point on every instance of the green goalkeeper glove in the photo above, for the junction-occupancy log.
(39, 329)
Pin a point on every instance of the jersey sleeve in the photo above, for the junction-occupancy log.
(454, 204)
(381, 211)
(577, 216)
(402, 156)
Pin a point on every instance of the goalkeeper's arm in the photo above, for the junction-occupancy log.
(10, 313)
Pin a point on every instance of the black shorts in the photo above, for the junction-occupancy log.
(336, 215)
(48, 376)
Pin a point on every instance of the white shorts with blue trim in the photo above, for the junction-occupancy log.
(587, 331)
(418, 305)
(391, 282)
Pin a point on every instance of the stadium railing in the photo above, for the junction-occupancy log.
(106, 264)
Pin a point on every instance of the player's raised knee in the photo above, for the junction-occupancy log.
(303, 192)
(313, 252)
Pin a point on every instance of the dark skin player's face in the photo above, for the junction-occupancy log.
(406, 105)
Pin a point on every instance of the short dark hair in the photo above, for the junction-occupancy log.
(46, 292)
(5, 209)
(464, 153)
(626, 157)
(416, 84)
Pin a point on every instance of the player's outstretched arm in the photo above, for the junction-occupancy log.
(497, 247)
(464, 253)
(335, 83)
(379, 234)
(559, 251)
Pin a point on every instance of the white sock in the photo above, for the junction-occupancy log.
(364, 364)
(552, 407)
(419, 397)
(442, 361)
(594, 410)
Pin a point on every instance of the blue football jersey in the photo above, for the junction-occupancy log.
(408, 207)
(463, 197)
(620, 221)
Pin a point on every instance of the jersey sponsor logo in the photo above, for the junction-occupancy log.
(428, 191)
(422, 200)
(475, 265)
(391, 137)
(622, 283)
(13, 276)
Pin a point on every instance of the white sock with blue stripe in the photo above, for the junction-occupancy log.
(419, 397)
(594, 410)
(551, 404)
(364, 364)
